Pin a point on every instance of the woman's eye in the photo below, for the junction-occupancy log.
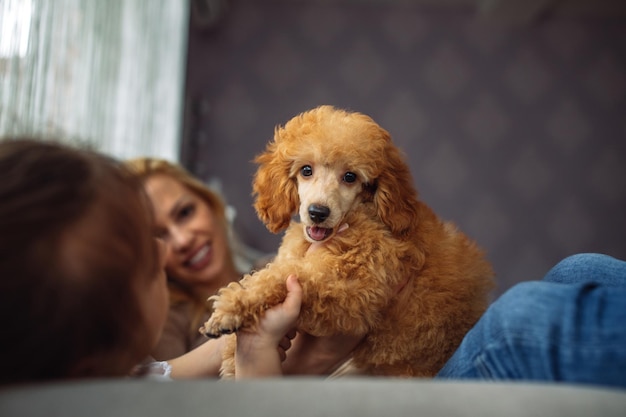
(186, 211)
(349, 177)
(306, 171)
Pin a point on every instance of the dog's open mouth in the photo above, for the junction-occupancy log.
(318, 233)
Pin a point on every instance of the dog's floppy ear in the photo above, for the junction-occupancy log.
(395, 196)
(276, 193)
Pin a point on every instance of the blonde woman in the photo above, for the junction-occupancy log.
(191, 220)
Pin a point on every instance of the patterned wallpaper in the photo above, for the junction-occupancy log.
(517, 134)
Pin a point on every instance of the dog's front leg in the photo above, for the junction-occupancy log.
(241, 304)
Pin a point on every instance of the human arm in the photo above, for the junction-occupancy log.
(258, 349)
(203, 361)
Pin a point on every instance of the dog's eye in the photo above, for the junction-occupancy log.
(349, 177)
(306, 171)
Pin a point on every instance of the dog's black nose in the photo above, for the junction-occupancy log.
(318, 213)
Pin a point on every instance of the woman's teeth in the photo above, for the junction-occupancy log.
(199, 256)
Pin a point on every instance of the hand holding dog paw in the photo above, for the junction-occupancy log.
(281, 318)
(261, 349)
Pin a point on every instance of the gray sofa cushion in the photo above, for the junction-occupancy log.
(307, 397)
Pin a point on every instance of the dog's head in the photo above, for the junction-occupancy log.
(325, 161)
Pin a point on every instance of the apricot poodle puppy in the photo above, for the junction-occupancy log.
(386, 265)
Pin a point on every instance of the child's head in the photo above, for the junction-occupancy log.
(82, 292)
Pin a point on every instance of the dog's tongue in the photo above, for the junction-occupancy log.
(318, 233)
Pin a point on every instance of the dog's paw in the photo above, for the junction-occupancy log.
(220, 324)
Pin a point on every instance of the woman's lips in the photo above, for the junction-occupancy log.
(200, 259)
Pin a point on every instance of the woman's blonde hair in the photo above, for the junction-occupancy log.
(146, 168)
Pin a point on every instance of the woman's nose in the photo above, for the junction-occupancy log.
(180, 239)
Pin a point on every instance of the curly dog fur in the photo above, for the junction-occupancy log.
(413, 283)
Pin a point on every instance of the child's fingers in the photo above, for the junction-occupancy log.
(285, 343)
(293, 301)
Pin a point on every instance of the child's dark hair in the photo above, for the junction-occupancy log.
(75, 240)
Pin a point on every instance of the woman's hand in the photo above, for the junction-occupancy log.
(310, 355)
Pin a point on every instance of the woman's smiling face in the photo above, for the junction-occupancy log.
(196, 242)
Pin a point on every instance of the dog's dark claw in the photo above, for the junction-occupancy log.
(221, 333)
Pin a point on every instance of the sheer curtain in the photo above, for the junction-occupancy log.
(110, 73)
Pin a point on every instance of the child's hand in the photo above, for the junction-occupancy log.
(261, 350)
(280, 319)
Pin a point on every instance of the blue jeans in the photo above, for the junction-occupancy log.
(569, 327)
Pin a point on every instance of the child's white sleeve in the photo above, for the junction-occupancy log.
(159, 370)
